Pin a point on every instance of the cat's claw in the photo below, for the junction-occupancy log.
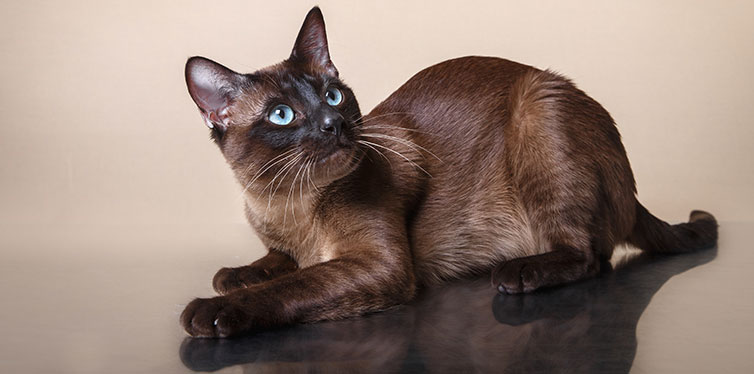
(214, 318)
(515, 276)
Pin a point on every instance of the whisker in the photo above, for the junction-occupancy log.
(309, 176)
(364, 120)
(407, 142)
(281, 170)
(273, 193)
(290, 191)
(397, 153)
(288, 166)
(288, 152)
(382, 136)
(301, 183)
(271, 183)
(378, 152)
(385, 126)
(284, 159)
(280, 158)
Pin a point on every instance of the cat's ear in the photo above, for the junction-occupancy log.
(213, 88)
(311, 44)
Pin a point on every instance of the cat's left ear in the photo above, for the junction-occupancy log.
(311, 44)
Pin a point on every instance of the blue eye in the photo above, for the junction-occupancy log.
(333, 96)
(281, 115)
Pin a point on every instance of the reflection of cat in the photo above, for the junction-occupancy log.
(474, 163)
(589, 326)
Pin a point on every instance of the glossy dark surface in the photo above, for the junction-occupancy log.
(589, 326)
(117, 312)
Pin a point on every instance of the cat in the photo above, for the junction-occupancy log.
(475, 165)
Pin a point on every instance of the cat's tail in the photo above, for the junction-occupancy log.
(655, 235)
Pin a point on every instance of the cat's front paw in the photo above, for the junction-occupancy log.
(218, 317)
(517, 276)
(230, 279)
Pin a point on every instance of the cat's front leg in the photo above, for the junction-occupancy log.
(336, 289)
(273, 265)
(229, 315)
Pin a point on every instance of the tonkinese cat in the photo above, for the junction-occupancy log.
(474, 165)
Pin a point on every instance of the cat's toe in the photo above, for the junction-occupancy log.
(215, 317)
(515, 276)
(227, 280)
(195, 315)
(231, 321)
(507, 278)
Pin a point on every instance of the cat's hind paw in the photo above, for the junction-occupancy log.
(516, 276)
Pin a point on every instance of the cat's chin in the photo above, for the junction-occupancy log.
(338, 164)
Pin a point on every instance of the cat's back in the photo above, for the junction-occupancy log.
(460, 75)
(455, 107)
(453, 91)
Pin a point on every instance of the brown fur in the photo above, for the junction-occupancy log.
(474, 164)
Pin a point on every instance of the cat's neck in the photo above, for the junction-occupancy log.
(290, 225)
(284, 210)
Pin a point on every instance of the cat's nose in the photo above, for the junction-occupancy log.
(332, 124)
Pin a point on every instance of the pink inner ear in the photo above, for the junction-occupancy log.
(209, 118)
(205, 94)
(205, 82)
(221, 118)
(211, 86)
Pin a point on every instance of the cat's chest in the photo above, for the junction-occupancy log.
(290, 228)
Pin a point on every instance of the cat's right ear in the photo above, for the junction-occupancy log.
(213, 88)
(311, 44)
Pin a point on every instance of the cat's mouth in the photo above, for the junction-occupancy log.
(338, 155)
(340, 162)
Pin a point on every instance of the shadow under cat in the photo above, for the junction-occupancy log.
(589, 326)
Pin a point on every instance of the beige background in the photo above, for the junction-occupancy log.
(106, 168)
(97, 126)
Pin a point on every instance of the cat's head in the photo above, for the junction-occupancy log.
(293, 118)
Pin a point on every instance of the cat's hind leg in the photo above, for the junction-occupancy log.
(558, 180)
